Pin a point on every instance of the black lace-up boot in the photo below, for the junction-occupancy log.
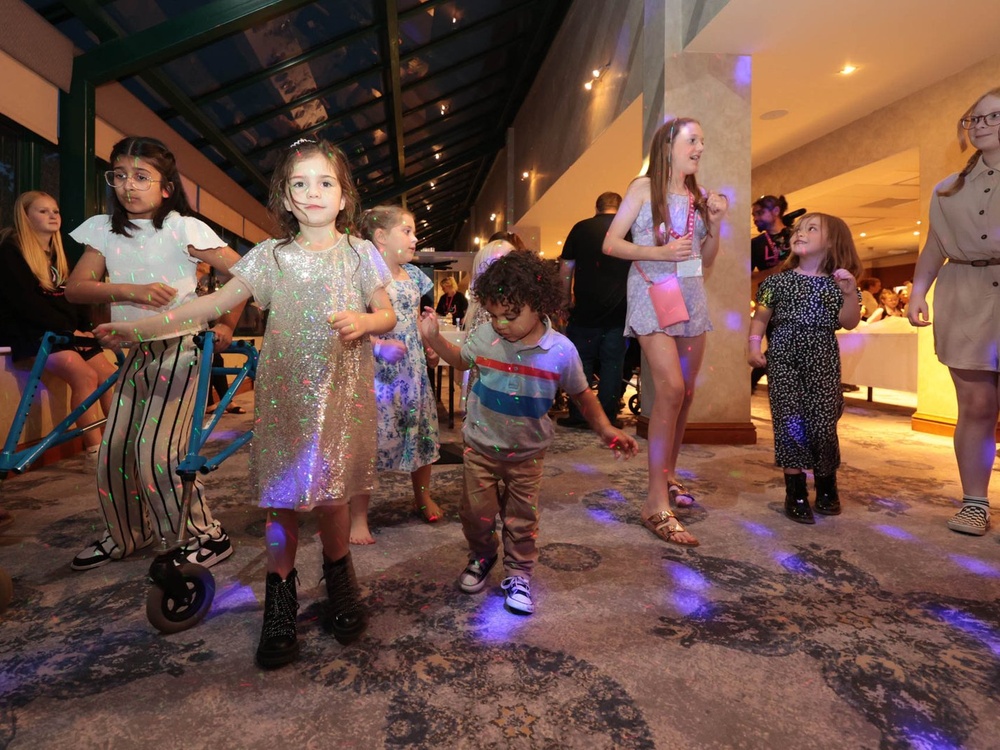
(797, 499)
(278, 642)
(827, 499)
(348, 617)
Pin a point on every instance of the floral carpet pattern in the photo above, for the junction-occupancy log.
(878, 628)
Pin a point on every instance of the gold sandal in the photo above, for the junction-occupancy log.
(677, 490)
(666, 527)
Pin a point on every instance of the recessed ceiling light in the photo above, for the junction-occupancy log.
(774, 114)
(863, 234)
(848, 69)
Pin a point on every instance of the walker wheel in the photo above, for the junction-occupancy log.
(169, 615)
(6, 590)
(633, 404)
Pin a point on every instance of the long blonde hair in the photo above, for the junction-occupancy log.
(34, 252)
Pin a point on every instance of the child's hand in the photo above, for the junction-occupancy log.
(624, 446)
(757, 359)
(846, 281)
(432, 357)
(390, 351)
(717, 206)
(223, 337)
(675, 251)
(110, 337)
(153, 295)
(348, 325)
(428, 323)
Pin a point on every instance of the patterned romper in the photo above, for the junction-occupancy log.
(803, 369)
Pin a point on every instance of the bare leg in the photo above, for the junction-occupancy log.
(335, 530)
(360, 533)
(281, 535)
(422, 502)
(82, 380)
(975, 432)
(668, 407)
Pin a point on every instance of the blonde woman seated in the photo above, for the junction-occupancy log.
(33, 272)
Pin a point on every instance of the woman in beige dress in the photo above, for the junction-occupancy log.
(963, 253)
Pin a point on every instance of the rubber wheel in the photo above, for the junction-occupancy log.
(633, 404)
(170, 616)
(6, 590)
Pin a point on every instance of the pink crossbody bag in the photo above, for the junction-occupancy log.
(667, 299)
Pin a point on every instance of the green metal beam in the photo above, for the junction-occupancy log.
(77, 168)
(135, 53)
(389, 42)
(107, 30)
(270, 114)
(307, 56)
(463, 159)
(29, 164)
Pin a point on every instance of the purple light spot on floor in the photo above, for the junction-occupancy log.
(894, 532)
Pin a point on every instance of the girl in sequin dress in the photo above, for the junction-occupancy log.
(407, 426)
(314, 427)
(815, 293)
(675, 232)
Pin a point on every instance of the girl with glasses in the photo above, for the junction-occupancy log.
(142, 259)
(962, 253)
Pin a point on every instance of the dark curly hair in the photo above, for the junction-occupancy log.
(521, 278)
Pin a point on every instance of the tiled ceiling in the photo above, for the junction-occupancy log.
(418, 93)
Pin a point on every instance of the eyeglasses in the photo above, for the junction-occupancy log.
(140, 181)
(993, 118)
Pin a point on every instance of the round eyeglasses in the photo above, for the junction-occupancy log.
(993, 118)
(140, 182)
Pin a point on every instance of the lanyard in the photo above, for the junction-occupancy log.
(689, 229)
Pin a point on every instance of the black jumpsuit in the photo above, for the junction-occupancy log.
(803, 369)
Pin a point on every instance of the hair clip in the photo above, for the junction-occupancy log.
(300, 141)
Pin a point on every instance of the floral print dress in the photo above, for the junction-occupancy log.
(407, 425)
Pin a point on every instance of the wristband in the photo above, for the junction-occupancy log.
(755, 338)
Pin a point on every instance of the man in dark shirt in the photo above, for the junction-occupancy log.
(596, 285)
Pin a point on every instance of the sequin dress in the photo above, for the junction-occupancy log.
(641, 317)
(314, 425)
(407, 412)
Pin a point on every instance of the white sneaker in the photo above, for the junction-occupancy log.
(518, 595)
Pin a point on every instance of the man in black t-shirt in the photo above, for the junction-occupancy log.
(596, 285)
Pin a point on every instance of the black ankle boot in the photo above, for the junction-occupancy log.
(827, 499)
(797, 499)
(348, 617)
(278, 642)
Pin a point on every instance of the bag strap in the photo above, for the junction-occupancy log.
(638, 267)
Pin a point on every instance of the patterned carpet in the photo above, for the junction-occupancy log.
(875, 629)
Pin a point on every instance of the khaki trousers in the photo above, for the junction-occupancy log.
(516, 502)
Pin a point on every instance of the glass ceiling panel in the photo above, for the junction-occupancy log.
(444, 20)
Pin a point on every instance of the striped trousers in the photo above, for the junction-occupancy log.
(145, 438)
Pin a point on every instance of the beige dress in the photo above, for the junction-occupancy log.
(966, 316)
(314, 426)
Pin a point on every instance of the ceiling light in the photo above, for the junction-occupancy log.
(432, 185)
(916, 234)
(588, 85)
(493, 217)
(918, 223)
(596, 73)
(475, 240)
(848, 69)
(558, 242)
(437, 155)
(863, 234)
(525, 175)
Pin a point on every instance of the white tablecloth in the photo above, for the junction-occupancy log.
(880, 355)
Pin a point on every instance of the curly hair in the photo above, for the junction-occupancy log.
(521, 278)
